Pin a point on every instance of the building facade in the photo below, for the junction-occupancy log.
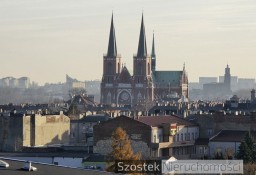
(18, 130)
(119, 87)
(152, 136)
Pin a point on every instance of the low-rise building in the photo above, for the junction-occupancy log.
(226, 143)
(81, 130)
(152, 136)
(18, 130)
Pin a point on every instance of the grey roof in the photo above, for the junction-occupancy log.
(95, 118)
(96, 158)
(229, 136)
(44, 152)
(44, 169)
(159, 120)
(112, 51)
(142, 48)
(167, 78)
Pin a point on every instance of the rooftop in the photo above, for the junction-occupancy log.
(229, 136)
(44, 169)
(159, 120)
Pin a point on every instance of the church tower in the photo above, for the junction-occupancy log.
(143, 86)
(227, 79)
(184, 82)
(111, 68)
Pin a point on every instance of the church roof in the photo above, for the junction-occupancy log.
(125, 75)
(168, 77)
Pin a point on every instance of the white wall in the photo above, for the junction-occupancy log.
(188, 131)
(156, 132)
(213, 146)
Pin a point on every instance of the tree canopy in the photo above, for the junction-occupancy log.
(247, 150)
(121, 149)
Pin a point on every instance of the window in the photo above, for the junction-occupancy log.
(181, 137)
(149, 69)
(109, 98)
(188, 138)
(201, 150)
(160, 138)
(178, 139)
(118, 67)
(140, 69)
(110, 69)
(209, 132)
(193, 136)
(73, 135)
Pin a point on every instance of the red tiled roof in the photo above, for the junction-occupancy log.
(159, 120)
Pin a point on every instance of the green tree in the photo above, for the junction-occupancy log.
(247, 150)
(121, 149)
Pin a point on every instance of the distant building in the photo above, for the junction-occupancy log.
(219, 90)
(234, 81)
(74, 83)
(194, 85)
(246, 83)
(119, 87)
(23, 82)
(207, 80)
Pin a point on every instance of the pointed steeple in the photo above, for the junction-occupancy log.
(153, 54)
(112, 51)
(142, 48)
(184, 75)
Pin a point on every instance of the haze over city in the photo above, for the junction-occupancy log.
(47, 39)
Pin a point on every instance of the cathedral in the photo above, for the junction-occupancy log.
(146, 84)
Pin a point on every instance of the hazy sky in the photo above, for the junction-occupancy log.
(47, 39)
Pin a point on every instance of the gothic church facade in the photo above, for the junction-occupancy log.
(146, 84)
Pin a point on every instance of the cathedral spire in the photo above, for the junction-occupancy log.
(142, 48)
(153, 54)
(112, 51)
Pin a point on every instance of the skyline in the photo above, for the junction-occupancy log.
(45, 40)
